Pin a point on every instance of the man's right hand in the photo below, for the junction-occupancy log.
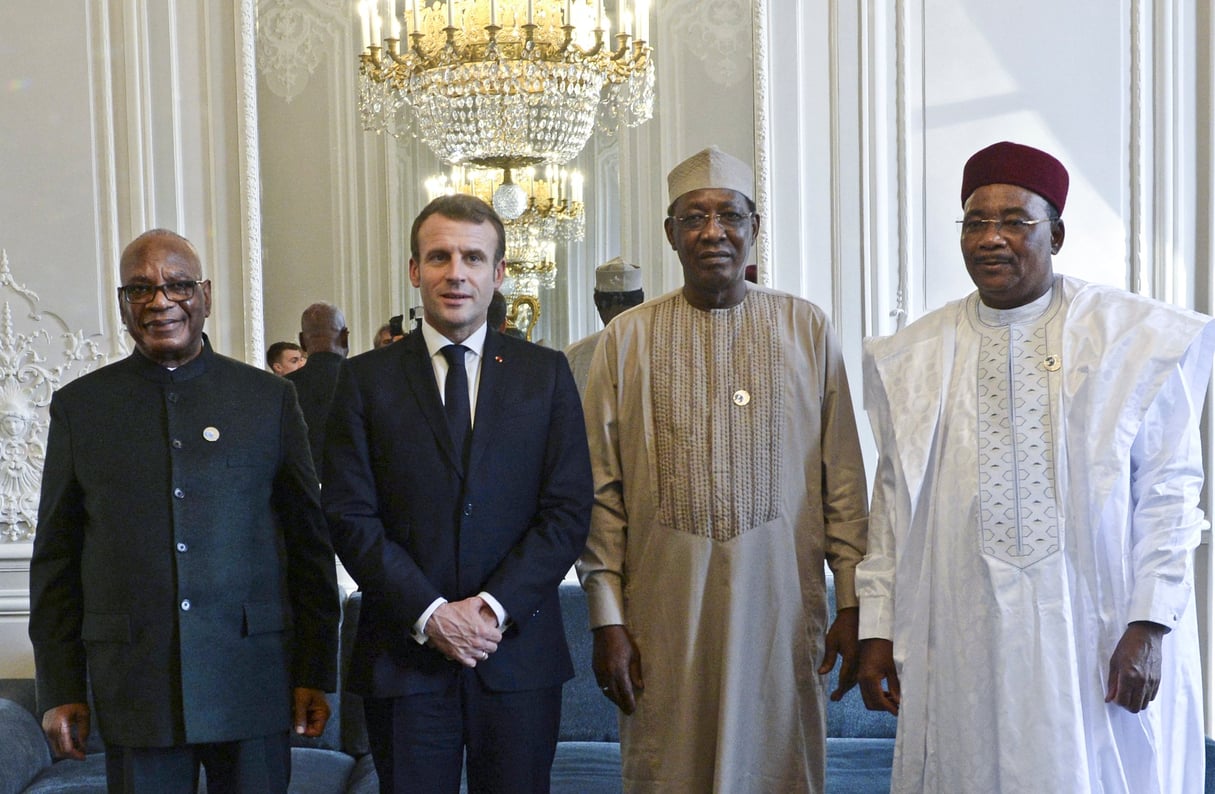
(67, 728)
(464, 631)
(875, 669)
(617, 665)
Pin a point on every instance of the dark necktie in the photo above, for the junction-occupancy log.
(455, 398)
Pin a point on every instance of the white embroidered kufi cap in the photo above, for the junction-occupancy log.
(712, 169)
(616, 275)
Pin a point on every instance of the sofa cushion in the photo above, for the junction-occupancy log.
(316, 771)
(363, 779)
(586, 715)
(77, 777)
(859, 766)
(353, 724)
(587, 768)
(848, 718)
(25, 752)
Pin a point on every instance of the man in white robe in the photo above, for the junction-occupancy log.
(727, 469)
(617, 288)
(1026, 600)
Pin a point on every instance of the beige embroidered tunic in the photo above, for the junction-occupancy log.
(727, 469)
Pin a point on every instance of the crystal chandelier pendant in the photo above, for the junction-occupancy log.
(509, 200)
(538, 210)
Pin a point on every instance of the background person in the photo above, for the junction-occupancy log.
(617, 287)
(285, 357)
(326, 340)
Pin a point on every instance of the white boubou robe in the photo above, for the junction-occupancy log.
(1007, 556)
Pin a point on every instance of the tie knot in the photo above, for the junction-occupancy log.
(454, 354)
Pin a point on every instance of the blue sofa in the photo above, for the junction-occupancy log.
(338, 762)
(860, 743)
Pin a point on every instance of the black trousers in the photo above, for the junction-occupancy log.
(261, 765)
(419, 741)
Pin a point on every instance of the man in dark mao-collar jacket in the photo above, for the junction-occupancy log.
(181, 564)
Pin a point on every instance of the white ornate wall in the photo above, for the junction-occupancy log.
(118, 116)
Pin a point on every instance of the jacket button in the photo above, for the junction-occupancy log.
(468, 509)
(185, 605)
(172, 396)
(179, 493)
(182, 547)
(177, 443)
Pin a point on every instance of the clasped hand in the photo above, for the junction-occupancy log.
(464, 631)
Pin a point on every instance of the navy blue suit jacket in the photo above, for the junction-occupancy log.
(410, 524)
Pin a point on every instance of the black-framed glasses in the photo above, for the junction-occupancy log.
(698, 221)
(1014, 227)
(176, 291)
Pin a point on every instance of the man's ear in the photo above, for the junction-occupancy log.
(1057, 233)
(668, 226)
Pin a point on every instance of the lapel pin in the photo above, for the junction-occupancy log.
(498, 359)
(1052, 363)
(742, 397)
(211, 433)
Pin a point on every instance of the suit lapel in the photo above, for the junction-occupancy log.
(420, 375)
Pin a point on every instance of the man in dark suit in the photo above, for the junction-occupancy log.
(324, 337)
(181, 564)
(458, 495)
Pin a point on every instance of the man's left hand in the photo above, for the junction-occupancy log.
(310, 711)
(1135, 666)
(841, 641)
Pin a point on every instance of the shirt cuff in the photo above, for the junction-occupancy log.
(876, 620)
(605, 603)
(496, 606)
(419, 628)
(1158, 601)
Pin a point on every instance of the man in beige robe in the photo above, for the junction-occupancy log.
(727, 469)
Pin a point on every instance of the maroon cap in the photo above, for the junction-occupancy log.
(1007, 163)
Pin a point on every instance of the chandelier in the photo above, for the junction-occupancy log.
(504, 83)
(550, 211)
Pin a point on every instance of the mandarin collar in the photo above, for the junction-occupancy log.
(149, 369)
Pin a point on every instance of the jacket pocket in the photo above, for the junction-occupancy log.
(263, 618)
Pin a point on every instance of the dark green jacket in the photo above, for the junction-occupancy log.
(181, 559)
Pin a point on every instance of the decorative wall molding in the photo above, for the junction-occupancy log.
(1138, 266)
(708, 28)
(251, 195)
(293, 37)
(34, 362)
(763, 144)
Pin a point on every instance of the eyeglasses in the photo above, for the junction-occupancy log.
(176, 291)
(1012, 227)
(698, 221)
